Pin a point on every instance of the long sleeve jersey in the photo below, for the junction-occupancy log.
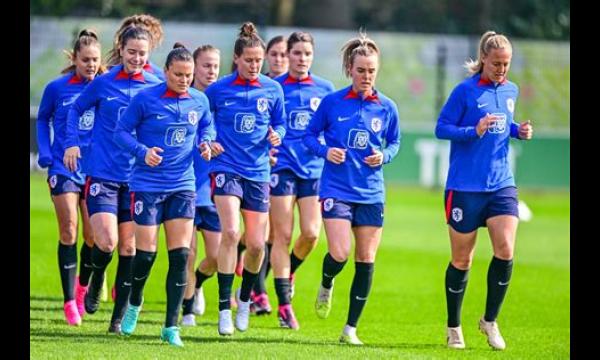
(479, 163)
(57, 99)
(110, 93)
(302, 98)
(359, 126)
(176, 123)
(155, 70)
(243, 111)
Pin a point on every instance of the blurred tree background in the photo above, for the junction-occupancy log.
(532, 19)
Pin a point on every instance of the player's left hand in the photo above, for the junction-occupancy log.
(272, 157)
(273, 137)
(205, 151)
(375, 159)
(526, 130)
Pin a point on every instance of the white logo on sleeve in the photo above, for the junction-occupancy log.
(86, 121)
(274, 180)
(193, 117)
(479, 106)
(53, 180)
(138, 207)
(314, 103)
(510, 104)
(160, 117)
(358, 139)
(220, 180)
(94, 189)
(228, 103)
(376, 124)
(457, 214)
(244, 122)
(111, 98)
(328, 204)
(262, 104)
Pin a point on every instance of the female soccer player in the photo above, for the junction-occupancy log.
(278, 64)
(362, 133)
(478, 119)
(153, 26)
(295, 176)
(249, 115)
(66, 186)
(277, 56)
(206, 71)
(107, 191)
(168, 120)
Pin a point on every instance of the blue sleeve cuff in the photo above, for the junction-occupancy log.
(140, 152)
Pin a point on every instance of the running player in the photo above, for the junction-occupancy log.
(478, 119)
(154, 27)
(361, 130)
(107, 191)
(168, 121)
(249, 115)
(66, 187)
(206, 71)
(295, 177)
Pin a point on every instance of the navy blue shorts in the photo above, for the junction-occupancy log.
(253, 194)
(60, 184)
(154, 208)
(207, 218)
(467, 211)
(285, 183)
(108, 196)
(357, 214)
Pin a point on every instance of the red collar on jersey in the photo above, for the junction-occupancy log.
(172, 94)
(239, 81)
(292, 80)
(123, 75)
(354, 95)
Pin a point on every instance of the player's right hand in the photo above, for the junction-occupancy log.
(152, 158)
(336, 155)
(485, 123)
(216, 149)
(70, 158)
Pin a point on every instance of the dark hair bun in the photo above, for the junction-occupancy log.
(178, 45)
(88, 32)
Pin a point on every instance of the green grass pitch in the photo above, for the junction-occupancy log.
(404, 317)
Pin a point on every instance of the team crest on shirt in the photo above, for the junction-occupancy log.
(220, 180)
(327, 204)
(193, 117)
(299, 120)
(358, 139)
(314, 103)
(86, 121)
(94, 189)
(274, 180)
(53, 180)
(244, 122)
(262, 104)
(510, 104)
(457, 214)
(138, 207)
(376, 124)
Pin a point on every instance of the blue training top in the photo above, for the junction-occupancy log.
(243, 112)
(173, 122)
(155, 70)
(57, 99)
(302, 98)
(359, 126)
(479, 163)
(110, 93)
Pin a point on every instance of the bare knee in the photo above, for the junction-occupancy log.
(68, 232)
(310, 235)
(254, 250)
(230, 237)
(339, 255)
(462, 263)
(127, 250)
(504, 251)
